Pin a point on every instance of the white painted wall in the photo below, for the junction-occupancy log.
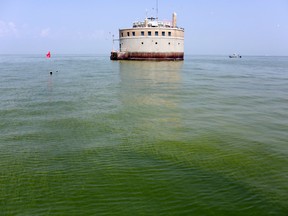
(164, 44)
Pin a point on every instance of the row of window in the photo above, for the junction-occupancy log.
(149, 33)
(155, 43)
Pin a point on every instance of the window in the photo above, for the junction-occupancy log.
(169, 34)
(128, 34)
(156, 42)
(133, 33)
(142, 33)
(149, 33)
(122, 34)
(163, 33)
(156, 33)
(142, 43)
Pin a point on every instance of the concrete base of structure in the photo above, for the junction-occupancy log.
(151, 56)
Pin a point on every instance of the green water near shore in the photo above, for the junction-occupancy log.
(207, 136)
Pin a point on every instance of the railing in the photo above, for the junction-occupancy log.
(159, 24)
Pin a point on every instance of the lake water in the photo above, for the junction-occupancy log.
(207, 136)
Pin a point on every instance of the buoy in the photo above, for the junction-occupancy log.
(50, 72)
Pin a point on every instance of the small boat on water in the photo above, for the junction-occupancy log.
(234, 55)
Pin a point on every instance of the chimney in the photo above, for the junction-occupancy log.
(174, 20)
(146, 22)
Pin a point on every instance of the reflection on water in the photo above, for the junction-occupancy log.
(155, 71)
(150, 82)
(148, 92)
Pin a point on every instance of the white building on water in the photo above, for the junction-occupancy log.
(151, 40)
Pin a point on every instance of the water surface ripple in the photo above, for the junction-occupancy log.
(207, 136)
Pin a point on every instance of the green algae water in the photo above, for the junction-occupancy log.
(207, 136)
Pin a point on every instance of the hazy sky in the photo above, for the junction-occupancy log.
(248, 27)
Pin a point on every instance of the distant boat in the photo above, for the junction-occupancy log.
(234, 55)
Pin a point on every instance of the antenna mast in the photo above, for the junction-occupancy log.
(157, 9)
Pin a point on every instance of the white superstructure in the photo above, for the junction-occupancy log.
(151, 39)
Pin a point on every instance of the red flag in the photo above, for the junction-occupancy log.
(48, 55)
